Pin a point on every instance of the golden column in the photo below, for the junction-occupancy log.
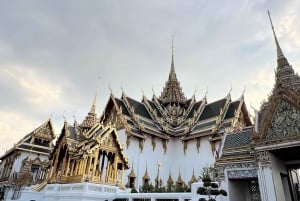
(72, 167)
(68, 166)
(95, 164)
(115, 177)
(53, 176)
(87, 170)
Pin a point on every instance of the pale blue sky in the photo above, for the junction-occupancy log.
(52, 53)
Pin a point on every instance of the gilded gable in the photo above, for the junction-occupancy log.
(110, 141)
(286, 121)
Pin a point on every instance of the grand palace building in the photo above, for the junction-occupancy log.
(156, 149)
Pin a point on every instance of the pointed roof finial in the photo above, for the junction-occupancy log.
(172, 75)
(206, 92)
(110, 90)
(132, 174)
(122, 88)
(74, 117)
(93, 108)
(243, 93)
(142, 91)
(172, 62)
(172, 92)
(153, 91)
(65, 119)
(91, 118)
(281, 60)
(229, 92)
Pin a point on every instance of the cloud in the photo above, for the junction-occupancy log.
(258, 86)
(289, 31)
(14, 126)
(38, 90)
(52, 53)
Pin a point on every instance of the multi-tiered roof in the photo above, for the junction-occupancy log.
(282, 106)
(173, 115)
(39, 141)
(277, 127)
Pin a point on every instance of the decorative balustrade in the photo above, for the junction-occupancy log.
(83, 187)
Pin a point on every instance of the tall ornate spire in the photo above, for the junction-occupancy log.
(91, 118)
(172, 92)
(281, 60)
(285, 74)
(93, 108)
(172, 73)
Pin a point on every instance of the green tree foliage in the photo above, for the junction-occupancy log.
(134, 190)
(209, 188)
(149, 188)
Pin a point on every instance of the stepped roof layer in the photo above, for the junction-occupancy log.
(237, 153)
(90, 134)
(174, 115)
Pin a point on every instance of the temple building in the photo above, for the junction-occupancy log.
(27, 162)
(262, 163)
(136, 149)
(151, 133)
(88, 152)
(159, 130)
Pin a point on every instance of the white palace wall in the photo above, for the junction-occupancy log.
(18, 162)
(173, 161)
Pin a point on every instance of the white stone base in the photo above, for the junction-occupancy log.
(98, 192)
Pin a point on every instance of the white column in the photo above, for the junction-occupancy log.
(104, 168)
(266, 183)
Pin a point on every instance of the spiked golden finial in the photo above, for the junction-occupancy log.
(65, 119)
(172, 92)
(110, 90)
(281, 60)
(172, 62)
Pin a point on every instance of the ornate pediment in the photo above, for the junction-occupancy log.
(286, 121)
(45, 131)
(110, 141)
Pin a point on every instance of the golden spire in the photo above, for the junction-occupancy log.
(91, 118)
(228, 96)
(146, 175)
(65, 119)
(110, 90)
(193, 179)
(179, 180)
(281, 60)
(132, 174)
(93, 108)
(170, 180)
(172, 92)
(172, 75)
(172, 62)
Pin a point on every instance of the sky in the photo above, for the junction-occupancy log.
(55, 56)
